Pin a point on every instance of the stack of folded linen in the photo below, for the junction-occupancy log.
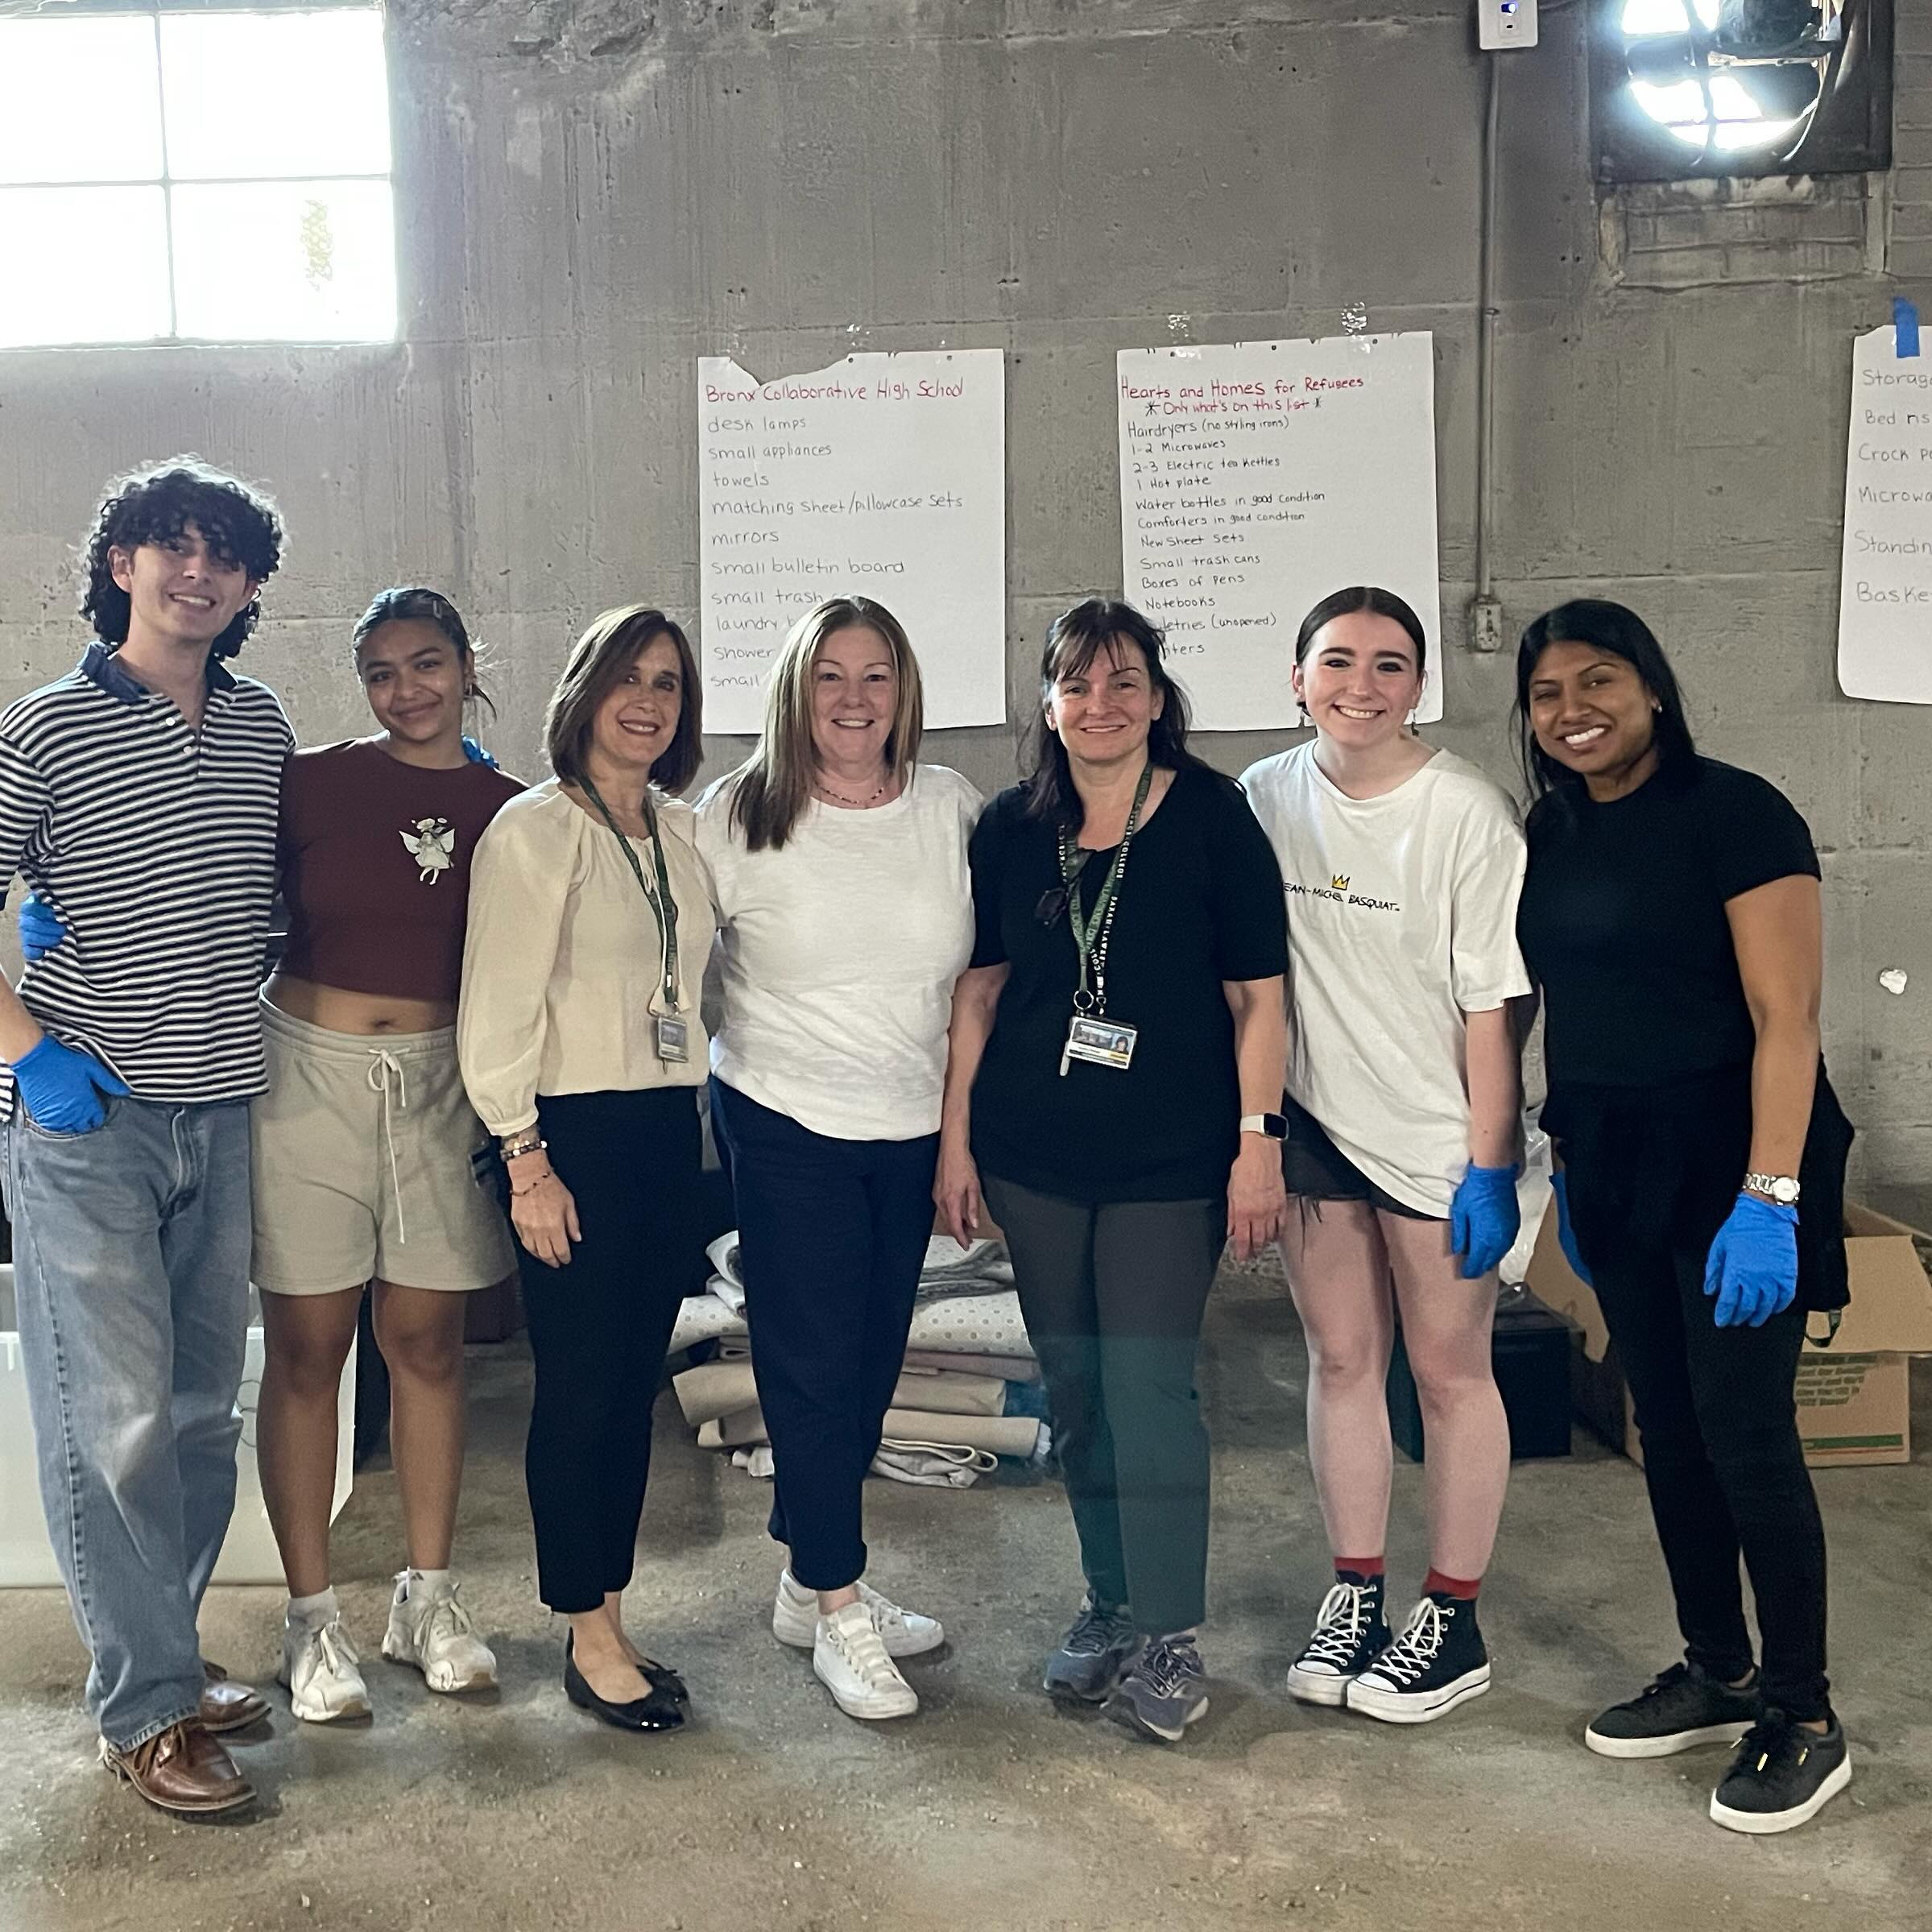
(967, 1393)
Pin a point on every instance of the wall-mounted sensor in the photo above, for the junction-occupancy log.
(1504, 23)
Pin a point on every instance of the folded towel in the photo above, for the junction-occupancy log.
(933, 1464)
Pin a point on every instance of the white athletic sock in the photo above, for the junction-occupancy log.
(430, 1583)
(315, 1611)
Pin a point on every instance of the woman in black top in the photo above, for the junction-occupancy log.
(1671, 915)
(1116, 1045)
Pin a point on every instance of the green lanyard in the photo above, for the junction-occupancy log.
(663, 907)
(1092, 931)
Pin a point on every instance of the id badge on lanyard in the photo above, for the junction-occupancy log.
(1090, 1035)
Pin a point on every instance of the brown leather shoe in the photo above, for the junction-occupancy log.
(227, 1706)
(182, 1769)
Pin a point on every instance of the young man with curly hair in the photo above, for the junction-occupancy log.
(138, 797)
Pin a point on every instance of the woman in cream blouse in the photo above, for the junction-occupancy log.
(590, 920)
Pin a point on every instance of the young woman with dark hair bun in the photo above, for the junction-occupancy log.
(1117, 1048)
(361, 1146)
(1672, 917)
(1401, 865)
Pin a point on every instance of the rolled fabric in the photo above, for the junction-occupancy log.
(722, 1387)
(738, 1430)
(1016, 1436)
(715, 1389)
(1003, 1435)
(1004, 1368)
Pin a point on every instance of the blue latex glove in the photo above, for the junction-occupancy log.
(1753, 1265)
(40, 927)
(63, 1087)
(1483, 1218)
(1566, 1236)
(476, 754)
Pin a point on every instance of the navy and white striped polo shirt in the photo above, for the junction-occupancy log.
(155, 845)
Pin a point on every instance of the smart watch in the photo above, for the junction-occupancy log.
(1275, 1125)
(1781, 1188)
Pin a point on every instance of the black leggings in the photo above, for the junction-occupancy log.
(1113, 1296)
(600, 1326)
(1725, 1468)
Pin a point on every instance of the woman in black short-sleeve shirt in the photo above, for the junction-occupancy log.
(1671, 916)
(1121, 1119)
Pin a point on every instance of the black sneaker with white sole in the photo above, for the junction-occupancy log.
(1351, 1633)
(1437, 1663)
(1782, 1777)
(1684, 1707)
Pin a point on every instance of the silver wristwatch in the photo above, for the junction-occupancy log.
(1781, 1188)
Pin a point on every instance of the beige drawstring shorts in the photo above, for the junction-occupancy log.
(362, 1149)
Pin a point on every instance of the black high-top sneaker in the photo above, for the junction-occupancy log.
(1351, 1633)
(1437, 1663)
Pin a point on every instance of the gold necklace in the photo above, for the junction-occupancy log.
(857, 803)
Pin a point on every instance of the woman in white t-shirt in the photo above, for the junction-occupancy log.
(845, 914)
(1401, 865)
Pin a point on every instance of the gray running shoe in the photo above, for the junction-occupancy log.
(1162, 1690)
(1088, 1661)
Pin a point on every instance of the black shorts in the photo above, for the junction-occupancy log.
(1315, 1169)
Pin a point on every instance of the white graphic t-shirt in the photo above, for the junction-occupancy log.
(1401, 919)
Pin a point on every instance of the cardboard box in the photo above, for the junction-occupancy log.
(1854, 1390)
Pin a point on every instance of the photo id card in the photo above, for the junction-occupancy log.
(1103, 1042)
(673, 1040)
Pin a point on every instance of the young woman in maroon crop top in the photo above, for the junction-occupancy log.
(362, 1146)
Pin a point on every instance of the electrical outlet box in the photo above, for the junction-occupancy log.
(1506, 24)
(1485, 624)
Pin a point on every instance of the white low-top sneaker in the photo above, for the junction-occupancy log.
(849, 1657)
(433, 1632)
(322, 1672)
(903, 1632)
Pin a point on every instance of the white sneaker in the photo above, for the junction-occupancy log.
(320, 1667)
(903, 1632)
(849, 1657)
(433, 1632)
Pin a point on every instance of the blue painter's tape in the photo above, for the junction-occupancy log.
(1904, 327)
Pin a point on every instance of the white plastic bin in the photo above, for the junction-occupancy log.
(26, 1559)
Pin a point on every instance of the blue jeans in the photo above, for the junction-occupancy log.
(831, 1236)
(131, 1267)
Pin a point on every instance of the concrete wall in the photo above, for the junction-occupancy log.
(593, 191)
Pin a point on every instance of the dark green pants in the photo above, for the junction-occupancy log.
(1113, 1296)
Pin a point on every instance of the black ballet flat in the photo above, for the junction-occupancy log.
(661, 1676)
(658, 1711)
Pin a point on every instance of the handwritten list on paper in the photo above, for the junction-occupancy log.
(1255, 477)
(1884, 598)
(884, 477)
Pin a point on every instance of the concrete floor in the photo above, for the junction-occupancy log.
(991, 1810)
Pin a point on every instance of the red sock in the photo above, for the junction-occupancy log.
(1367, 1568)
(1436, 1584)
